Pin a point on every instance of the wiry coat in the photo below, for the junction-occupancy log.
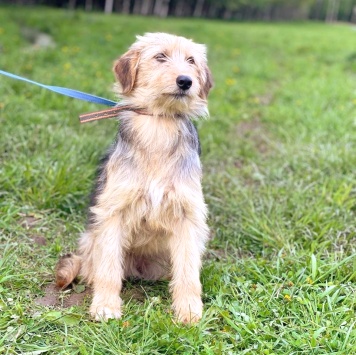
(147, 215)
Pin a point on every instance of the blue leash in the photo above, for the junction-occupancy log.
(64, 91)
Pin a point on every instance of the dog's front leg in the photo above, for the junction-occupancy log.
(186, 247)
(108, 270)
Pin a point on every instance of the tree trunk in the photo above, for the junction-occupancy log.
(146, 8)
(126, 6)
(267, 13)
(117, 6)
(198, 9)
(353, 17)
(161, 8)
(137, 6)
(227, 14)
(318, 8)
(332, 11)
(109, 5)
(71, 4)
(337, 8)
(179, 10)
(88, 5)
(212, 13)
(246, 13)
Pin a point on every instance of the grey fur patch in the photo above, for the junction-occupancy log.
(100, 181)
(194, 136)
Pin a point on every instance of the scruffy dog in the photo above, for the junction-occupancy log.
(148, 217)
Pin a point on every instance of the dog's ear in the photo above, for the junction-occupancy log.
(125, 69)
(207, 83)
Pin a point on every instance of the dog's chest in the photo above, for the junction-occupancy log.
(151, 211)
(156, 193)
(153, 175)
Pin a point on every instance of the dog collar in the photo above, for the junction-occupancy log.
(109, 113)
(114, 112)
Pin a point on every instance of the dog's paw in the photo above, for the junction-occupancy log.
(104, 312)
(189, 310)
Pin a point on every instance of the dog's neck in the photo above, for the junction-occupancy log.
(156, 135)
(144, 112)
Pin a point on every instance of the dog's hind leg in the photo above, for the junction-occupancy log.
(108, 269)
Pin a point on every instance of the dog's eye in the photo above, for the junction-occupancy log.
(161, 57)
(191, 60)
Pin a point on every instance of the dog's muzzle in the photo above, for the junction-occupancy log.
(184, 82)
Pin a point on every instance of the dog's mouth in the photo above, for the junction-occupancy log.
(178, 95)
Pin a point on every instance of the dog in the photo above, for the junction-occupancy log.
(147, 216)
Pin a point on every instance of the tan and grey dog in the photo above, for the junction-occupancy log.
(148, 217)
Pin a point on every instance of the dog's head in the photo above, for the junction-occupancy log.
(165, 74)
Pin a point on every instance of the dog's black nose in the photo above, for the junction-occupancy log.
(184, 82)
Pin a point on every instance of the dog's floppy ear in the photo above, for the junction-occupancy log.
(125, 69)
(207, 83)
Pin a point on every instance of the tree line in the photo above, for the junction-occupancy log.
(267, 10)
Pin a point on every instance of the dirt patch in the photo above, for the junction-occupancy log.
(50, 298)
(75, 295)
(245, 128)
(39, 240)
(265, 99)
(76, 299)
(255, 132)
(54, 297)
(28, 222)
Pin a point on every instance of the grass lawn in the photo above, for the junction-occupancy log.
(279, 157)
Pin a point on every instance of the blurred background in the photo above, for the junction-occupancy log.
(267, 10)
(278, 151)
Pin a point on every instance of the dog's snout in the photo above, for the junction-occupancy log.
(184, 82)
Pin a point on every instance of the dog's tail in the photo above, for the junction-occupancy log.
(67, 269)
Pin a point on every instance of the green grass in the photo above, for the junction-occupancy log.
(279, 158)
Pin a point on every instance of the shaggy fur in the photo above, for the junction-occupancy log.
(148, 216)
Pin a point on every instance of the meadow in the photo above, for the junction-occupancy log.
(279, 274)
